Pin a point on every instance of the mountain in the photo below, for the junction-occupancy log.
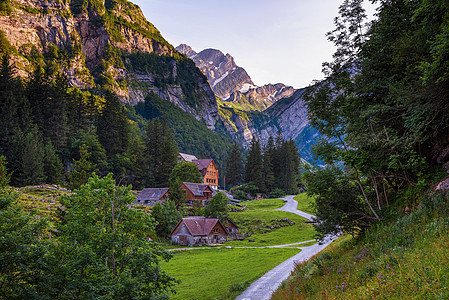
(105, 44)
(250, 111)
(224, 76)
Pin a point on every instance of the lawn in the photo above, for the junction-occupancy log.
(267, 226)
(305, 203)
(214, 273)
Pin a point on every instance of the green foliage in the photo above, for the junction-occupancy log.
(190, 135)
(177, 194)
(254, 166)
(186, 171)
(234, 167)
(166, 216)
(404, 258)
(217, 207)
(104, 245)
(82, 169)
(277, 193)
(5, 7)
(23, 251)
(4, 176)
(162, 154)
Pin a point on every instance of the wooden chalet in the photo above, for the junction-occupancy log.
(151, 196)
(207, 167)
(209, 171)
(197, 191)
(197, 231)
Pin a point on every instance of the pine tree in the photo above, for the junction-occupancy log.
(177, 194)
(113, 126)
(268, 164)
(82, 169)
(254, 166)
(52, 164)
(32, 158)
(234, 167)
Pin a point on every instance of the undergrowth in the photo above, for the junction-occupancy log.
(402, 259)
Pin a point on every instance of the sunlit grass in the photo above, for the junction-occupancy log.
(263, 222)
(305, 203)
(212, 273)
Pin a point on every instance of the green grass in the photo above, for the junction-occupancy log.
(264, 204)
(212, 273)
(305, 203)
(259, 219)
(403, 259)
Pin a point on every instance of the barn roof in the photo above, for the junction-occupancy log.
(187, 157)
(197, 188)
(202, 164)
(199, 225)
(151, 193)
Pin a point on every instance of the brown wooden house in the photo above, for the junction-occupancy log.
(209, 171)
(207, 167)
(197, 191)
(151, 196)
(197, 231)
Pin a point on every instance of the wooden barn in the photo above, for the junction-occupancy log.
(197, 191)
(197, 231)
(151, 196)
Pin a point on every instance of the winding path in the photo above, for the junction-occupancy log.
(263, 288)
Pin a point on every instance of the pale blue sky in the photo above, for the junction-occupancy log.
(275, 41)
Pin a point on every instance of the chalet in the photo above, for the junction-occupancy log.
(197, 231)
(151, 196)
(197, 191)
(207, 167)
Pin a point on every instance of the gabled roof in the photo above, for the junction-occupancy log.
(199, 225)
(151, 193)
(187, 157)
(202, 164)
(197, 189)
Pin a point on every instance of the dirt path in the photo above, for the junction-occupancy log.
(263, 288)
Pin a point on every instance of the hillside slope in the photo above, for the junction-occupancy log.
(106, 43)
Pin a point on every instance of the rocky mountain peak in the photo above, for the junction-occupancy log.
(223, 74)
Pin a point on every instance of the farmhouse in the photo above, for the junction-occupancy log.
(207, 167)
(197, 231)
(151, 196)
(197, 192)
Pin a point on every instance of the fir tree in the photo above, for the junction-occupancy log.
(254, 166)
(234, 167)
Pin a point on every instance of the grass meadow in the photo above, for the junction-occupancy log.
(220, 273)
(305, 203)
(267, 226)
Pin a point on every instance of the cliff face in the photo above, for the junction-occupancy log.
(94, 39)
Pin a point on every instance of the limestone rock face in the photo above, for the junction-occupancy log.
(224, 76)
(36, 25)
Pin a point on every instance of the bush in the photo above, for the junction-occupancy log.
(277, 193)
(241, 195)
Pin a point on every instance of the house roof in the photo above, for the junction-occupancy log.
(202, 164)
(197, 188)
(187, 157)
(151, 193)
(199, 225)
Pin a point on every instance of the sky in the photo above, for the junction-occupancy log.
(282, 41)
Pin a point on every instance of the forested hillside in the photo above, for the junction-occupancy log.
(384, 110)
(65, 74)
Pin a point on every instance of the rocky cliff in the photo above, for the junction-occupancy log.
(95, 43)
